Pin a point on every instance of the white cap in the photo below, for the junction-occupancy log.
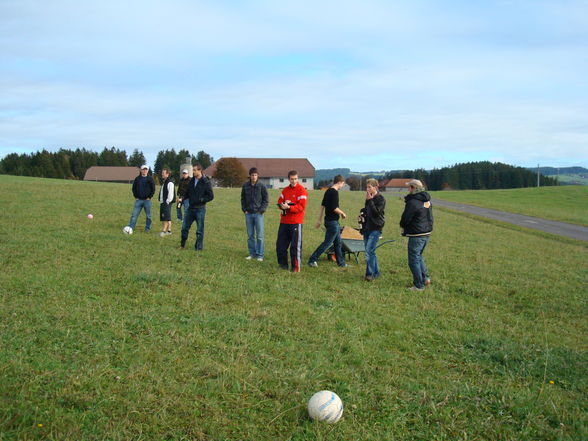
(185, 170)
(144, 166)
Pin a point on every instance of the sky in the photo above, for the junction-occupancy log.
(366, 85)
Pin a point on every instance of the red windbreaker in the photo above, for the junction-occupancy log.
(297, 196)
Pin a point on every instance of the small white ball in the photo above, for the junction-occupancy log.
(90, 216)
(325, 406)
(127, 230)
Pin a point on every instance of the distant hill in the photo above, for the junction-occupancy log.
(565, 175)
(323, 174)
(551, 171)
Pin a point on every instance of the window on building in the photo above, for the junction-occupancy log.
(303, 179)
(281, 179)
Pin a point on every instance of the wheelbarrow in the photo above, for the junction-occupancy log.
(352, 244)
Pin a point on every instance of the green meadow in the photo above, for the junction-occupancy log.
(565, 203)
(105, 336)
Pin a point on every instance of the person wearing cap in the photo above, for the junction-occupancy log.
(254, 201)
(143, 190)
(417, 224)
(182, 187)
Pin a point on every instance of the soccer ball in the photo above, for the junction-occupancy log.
(90, 216)
(127, 230)
(325, 406)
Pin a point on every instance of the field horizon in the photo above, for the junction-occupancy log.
(106, 336)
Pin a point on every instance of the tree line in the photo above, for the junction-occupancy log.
(72, 164)
(482, 175)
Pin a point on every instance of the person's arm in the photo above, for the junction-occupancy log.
(243, 207)
(340, 213)
(407, 215)
(170, 192)
(300, 204)
(320, 217)
(208, 194)
(264, 199)
(151, 187)
(135, 189)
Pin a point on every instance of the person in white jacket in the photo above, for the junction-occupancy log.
(167, 196)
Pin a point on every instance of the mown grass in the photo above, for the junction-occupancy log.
(565, 203)
(113, 337)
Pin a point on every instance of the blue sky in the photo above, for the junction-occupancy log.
(369, 85)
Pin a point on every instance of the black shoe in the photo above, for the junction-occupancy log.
(284, 267)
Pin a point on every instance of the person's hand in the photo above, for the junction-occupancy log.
(284, 206)
(317, 225)
(343, 215)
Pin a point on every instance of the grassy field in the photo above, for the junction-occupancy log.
(111, 337)
(565, 203)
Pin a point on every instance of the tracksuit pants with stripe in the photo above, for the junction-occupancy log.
(289, 236)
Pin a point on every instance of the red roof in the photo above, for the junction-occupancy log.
(114, 174)
(395, 183)
(273, 167)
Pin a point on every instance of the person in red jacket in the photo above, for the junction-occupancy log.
(292, 203)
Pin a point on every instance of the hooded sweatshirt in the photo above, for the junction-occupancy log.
(417, 219)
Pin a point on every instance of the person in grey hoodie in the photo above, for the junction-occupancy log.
(417, 224)
(254, 201)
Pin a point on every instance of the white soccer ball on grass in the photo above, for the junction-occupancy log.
(127, 230)
(325, 406)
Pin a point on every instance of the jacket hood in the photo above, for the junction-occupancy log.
(421, 196)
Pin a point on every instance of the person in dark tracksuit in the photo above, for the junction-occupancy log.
(143, 190)
(254, 201)
(198, 193)
(417, 224)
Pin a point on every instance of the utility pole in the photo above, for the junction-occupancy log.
(537, 175)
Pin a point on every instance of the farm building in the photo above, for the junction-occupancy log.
(273, 172)
(124, 175)
(397, 185)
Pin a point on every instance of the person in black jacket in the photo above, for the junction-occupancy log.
(198, 194)
(254, 202)
(372, 219)
(182, 186)
(417, 223)
(143, 190)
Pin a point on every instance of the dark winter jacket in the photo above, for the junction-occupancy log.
(143, 187)
(417, 219)
(200, 194)
(373, 213)
(182, 186)
(254, 198)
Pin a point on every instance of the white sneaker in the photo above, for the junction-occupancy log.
(259, 259)
(249, 258)
(162, 234)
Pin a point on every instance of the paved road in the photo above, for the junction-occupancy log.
(561, 228)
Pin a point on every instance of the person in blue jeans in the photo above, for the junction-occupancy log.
(143, 190)
(254, 201)
(372, 220)
(198, 193)
(331, 211)
(417, 224)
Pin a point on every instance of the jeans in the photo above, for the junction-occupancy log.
(332, 236)
(183, 206)
(370, 240)
(139, 205)
(194, 215)
(416, 263)
(255, 244)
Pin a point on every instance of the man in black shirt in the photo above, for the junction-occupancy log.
(330, 209)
